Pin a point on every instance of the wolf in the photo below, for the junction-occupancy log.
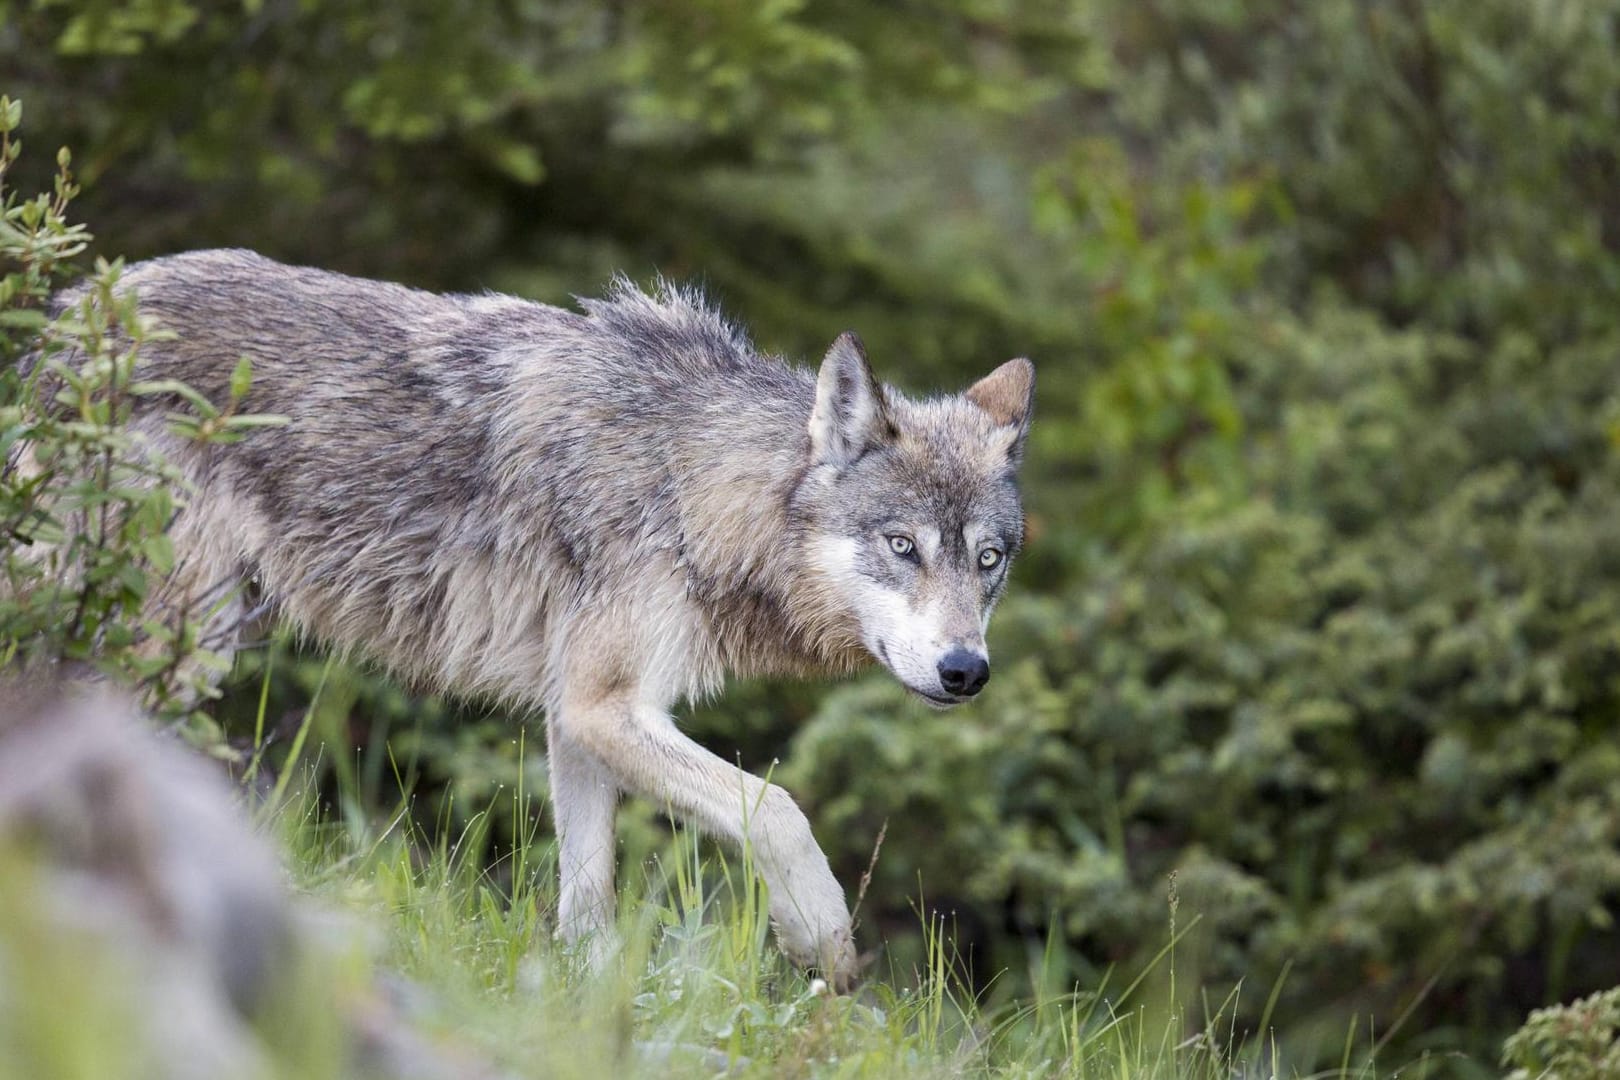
(594, 514)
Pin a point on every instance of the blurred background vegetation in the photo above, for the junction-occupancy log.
(1319, 610)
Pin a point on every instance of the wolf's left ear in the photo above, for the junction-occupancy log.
(1008, 395)
(851, 415)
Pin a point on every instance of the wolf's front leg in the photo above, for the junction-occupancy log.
(642, 748)
(584, 799)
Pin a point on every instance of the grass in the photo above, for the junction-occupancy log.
(439, 958)
(697, 987)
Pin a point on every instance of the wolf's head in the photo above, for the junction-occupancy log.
(912, 514)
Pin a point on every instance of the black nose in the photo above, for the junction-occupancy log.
(962, 672)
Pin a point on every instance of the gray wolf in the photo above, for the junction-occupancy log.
(595, 514)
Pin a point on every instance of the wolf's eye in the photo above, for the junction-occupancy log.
(902, 546)
(989, 559)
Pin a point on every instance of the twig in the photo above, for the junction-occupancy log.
(866, 878)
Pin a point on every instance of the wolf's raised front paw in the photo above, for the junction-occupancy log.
(838, 963)
(826, 945)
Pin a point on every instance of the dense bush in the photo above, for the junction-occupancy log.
(1319, 610)
(84, 502)
(1570, 1042)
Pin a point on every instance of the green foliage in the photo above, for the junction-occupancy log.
(1448, 161)
(86, 500)
(1171, 271)
(1568, 1042)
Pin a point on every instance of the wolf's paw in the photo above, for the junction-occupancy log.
(837, 961)
(827, 947)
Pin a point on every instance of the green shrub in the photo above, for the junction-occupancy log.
(1568, 1042)
(85, 500)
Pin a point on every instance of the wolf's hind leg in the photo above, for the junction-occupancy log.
(647, 754)
(584, 799)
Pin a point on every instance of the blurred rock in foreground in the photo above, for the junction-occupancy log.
(146, 930)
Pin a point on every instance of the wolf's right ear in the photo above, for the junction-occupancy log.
(851, 414)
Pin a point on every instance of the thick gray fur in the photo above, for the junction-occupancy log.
(594, 514)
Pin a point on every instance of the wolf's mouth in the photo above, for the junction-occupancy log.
(937, 701)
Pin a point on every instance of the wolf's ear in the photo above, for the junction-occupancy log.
(1008, 395)
(851, 415)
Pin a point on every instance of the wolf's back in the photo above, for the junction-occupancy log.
(303, 329)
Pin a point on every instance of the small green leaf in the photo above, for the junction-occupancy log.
(23, 318)
(241, 379)
(518, 160)
(174, 386)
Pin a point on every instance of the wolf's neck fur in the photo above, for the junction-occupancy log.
(745, 557)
